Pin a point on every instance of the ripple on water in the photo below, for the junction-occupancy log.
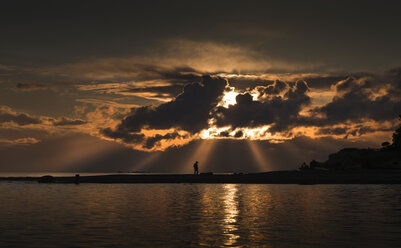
(184, 215)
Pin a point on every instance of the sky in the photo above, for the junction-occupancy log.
(240, 86)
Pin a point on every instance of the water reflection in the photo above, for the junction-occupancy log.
(231, 211)
(199, 215)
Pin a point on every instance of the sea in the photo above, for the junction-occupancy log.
(199, 215)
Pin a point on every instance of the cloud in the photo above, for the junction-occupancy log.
(161, 93)
(275, 88)
(197, 112)
(8, 115)
(189, 106)
(64, 121)
(13, 120)
(22, 141)
(353, 130)
(123, 136)
(211, 57)
(360, 105)
(6, 68)
(270, 108)
(34, 86)
(274, 111)
(358, 99)
(124, 69)
(178, 61)
(102, 102)
(151, 142)
(188, 112)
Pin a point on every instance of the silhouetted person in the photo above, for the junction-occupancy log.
(196, 168)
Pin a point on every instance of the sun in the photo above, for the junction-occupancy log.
(229, 98)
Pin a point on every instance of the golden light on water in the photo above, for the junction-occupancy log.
(231, 212)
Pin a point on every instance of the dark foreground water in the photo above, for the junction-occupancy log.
(193, 215)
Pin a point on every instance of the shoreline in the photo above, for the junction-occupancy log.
(275, 177)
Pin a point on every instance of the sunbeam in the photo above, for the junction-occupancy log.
(258, 156)
(77, 150)
(201, 154)
(146, 161)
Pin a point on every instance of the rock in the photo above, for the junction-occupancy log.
(46, 179)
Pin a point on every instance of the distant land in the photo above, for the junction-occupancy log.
(274, 177)
(386, 158)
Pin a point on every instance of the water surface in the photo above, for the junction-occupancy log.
(192, 215)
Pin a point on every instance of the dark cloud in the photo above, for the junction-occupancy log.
(64, 121)
(361, 104)
(123, 136)
(396, 72)
(356, 130)
(151, 142)
(325, 81)
(141, 141)
(189, 111)
(181, 75)
(160, 91)
(278, 104)
(243, 83)
(278, 111)
(239, 134)
(6, 115)
(33, 86)
(361, 98)
(272, 89)
(322, 81)
(335, 131)
(22, 119)
(122, 70)
(224, 134)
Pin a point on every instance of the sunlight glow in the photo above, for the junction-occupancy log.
(145, 162)
(229, 98)
(180, 138)
(258, 155)
(256, 133)
(231, 213)
(201, 154)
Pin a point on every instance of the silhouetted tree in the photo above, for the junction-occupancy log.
(385, 144)
(397, 137)
(313, 164)
(304, 166)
